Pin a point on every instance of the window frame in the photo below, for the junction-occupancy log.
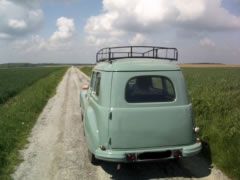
(94, 82)
(151, 102)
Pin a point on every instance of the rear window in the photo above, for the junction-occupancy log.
(142, 89)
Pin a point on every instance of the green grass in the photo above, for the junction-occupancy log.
(13, 80)
(87, 70)
(18, 116)
(215, 94)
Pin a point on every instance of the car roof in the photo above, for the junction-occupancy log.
(137, 64)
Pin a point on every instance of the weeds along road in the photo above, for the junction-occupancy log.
(57, 148)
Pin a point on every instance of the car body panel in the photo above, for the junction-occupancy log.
(151, 127)
(95, 113)
(128, 64)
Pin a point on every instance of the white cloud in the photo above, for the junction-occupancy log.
(103, 41)
(151, 11)
(17, 24)
(138, 39)
(103, 23)
(121, 18)
(206, 42)
(61, 39)
(32, 3)
(66, 29)
(19, 18)
(189, 10)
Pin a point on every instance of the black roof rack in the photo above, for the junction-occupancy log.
(121, 52)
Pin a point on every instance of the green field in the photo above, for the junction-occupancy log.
(215, 94)
(19, 113)
(87, 70)
(13, 80)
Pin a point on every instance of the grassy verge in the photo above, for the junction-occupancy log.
(18, 116)
(215, 94)
(87, 70)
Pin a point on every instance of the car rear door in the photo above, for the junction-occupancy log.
(149, 121)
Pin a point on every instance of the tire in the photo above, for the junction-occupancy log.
(92, 159)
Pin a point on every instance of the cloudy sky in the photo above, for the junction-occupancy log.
(71, 31)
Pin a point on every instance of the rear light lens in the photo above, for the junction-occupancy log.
(131, 157)
(177, 154)
(103, 148)
(198, 140)
(196, 129)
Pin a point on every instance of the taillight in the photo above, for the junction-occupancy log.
(131, 157)
(177, 154)
(198, 140)
(196, 129)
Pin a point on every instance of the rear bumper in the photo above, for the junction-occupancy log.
(120, 155)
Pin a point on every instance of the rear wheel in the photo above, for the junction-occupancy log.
(92, 158)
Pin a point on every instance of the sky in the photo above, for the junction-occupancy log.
(71, 31)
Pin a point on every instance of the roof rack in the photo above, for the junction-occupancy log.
(121, 52)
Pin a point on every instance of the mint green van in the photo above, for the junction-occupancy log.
(136, 107)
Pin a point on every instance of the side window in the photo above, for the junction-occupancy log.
(169, 88)
(142, 89)
(92, 80)
(96, 83)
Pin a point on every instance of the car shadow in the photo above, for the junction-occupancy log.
(194, 167)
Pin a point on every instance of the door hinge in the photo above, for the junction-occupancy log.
(110, 116)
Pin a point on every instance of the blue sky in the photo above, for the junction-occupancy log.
(78, 10)
(232, 5)
(71, 31)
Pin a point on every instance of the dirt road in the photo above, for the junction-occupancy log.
(57, 148)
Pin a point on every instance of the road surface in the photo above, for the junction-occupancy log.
(57, 148)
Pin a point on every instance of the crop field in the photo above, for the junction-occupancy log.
(215, 94)
(23, 93)
(12, 81)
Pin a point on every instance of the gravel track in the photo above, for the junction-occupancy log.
(57, 148)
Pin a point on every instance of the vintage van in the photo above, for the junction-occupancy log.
(137, 108)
